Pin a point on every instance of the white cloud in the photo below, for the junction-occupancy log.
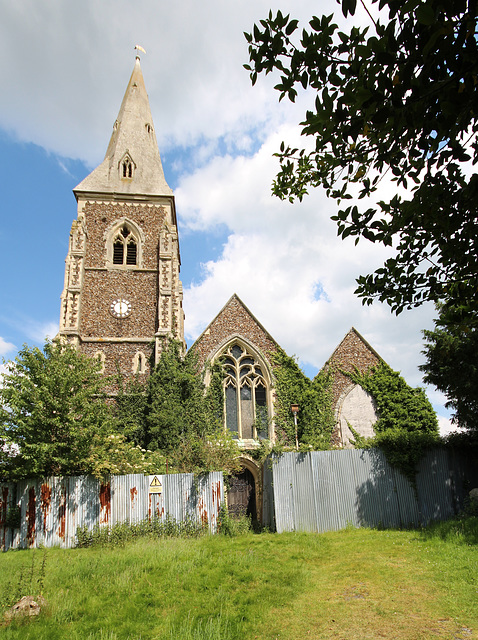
(66, 65)
(278, 256)
(6, 347)
(446, 426)
(40, 331)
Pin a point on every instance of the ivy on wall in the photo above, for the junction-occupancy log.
(407, 425)
(315, 420)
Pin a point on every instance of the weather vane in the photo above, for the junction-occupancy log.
(138, 48)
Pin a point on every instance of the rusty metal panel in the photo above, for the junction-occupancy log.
(268, 519)
(7, 501)
(129, 498)
(53, 508)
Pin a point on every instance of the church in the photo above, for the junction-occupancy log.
(122, 293)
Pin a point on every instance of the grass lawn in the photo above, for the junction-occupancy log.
(353, 584)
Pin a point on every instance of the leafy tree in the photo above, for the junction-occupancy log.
(176, 406)
(451, 352)
(397, 98)
(53, 411)
(315, 420)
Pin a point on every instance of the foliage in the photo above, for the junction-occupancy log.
(399, 97)
(315, 419)
(114, 455)
(228, 526)
(406, 427)
(121, 533)
(399, 407)
(451, 352)
(130, 407)
(53, 411)
(174, 420)
(175, 407)
(215, 393)
(217, 451)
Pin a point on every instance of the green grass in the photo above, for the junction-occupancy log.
(353, 584)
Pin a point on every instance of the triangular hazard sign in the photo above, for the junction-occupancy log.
(155, 485)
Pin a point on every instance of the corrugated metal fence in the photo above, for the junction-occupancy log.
(52, 508)
(326, 490)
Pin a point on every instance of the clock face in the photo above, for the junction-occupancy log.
(120, 308)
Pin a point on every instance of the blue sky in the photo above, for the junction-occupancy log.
(64, 68)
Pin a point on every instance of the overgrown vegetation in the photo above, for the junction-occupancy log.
(29, 579)
(53, 413)
(118, 535)
(56, 418)
(407, 425)
(121, 533)
(355, 583)
(315, 420)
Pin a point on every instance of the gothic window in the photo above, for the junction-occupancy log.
(139, 363)
(125, 247)
(245, 394)
(124, 241)
(126, 167)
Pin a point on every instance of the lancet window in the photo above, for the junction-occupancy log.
(139, 362)
(245, 393)
(126, 167)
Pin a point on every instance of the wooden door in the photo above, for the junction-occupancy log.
(241, 495)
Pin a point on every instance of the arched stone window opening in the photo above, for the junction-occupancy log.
(125, 247)
(127, 168)
(124, 241)
(139, 363)
(245, 394)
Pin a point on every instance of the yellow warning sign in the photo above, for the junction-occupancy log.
(155, 485)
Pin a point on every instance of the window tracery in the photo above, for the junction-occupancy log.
(245, 394)
(125, 247)
(124, 240)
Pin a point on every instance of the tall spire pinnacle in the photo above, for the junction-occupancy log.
(132, 163)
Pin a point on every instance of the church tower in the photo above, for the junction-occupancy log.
(122, 294)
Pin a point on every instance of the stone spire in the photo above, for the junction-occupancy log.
(132, 164)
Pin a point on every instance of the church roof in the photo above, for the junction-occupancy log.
(132, 163)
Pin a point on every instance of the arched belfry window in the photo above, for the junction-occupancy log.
(124, 244)
(246, 392)
(125, 247)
